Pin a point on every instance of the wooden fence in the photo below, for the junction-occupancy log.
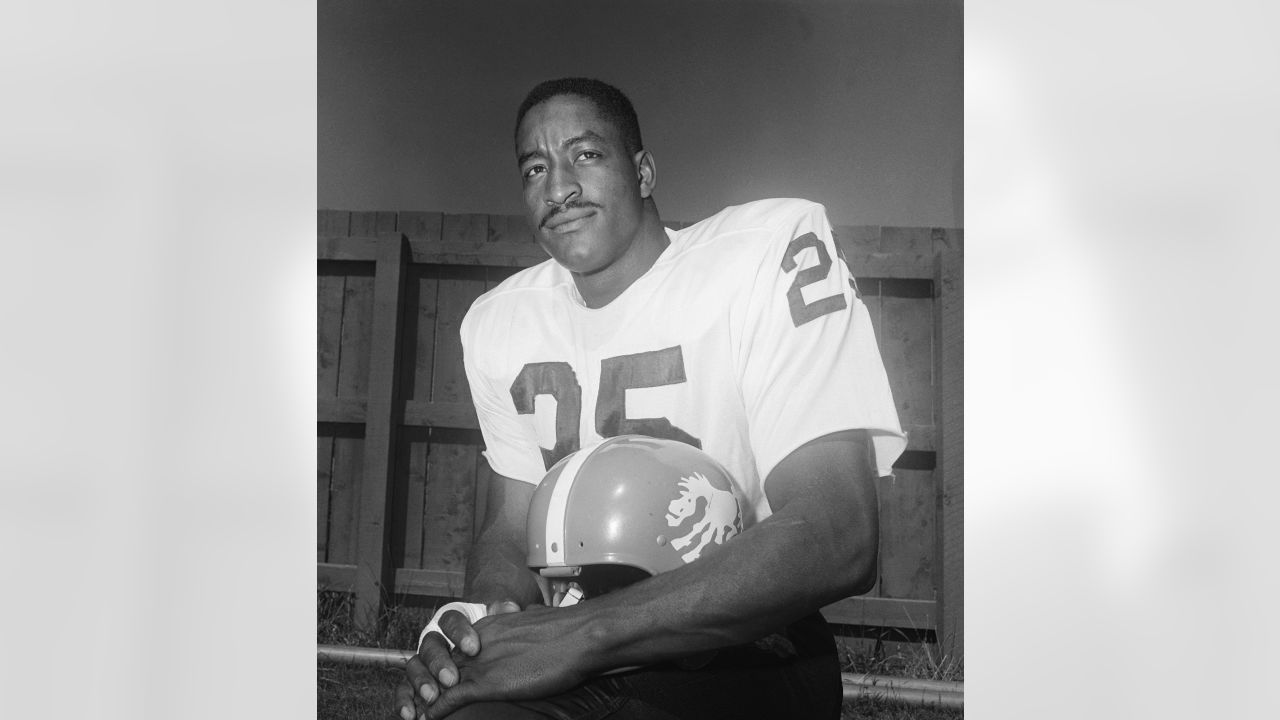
(401, 481)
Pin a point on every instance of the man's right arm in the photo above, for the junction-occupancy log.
(496, 577)
(496, 569)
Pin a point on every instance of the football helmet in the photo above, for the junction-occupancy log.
(629, 507)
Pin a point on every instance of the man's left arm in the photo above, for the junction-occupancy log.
(818, 546)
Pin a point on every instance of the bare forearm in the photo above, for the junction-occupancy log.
(776, 573)
(496, 571)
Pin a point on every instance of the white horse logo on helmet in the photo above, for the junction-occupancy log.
(720, 519)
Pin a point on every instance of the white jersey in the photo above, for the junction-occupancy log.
(746, 338)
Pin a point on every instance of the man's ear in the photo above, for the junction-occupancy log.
(647, 172)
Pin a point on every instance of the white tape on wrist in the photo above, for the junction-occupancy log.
(473, 612)
(572, 597)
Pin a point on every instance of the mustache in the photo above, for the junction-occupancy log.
(571, 205)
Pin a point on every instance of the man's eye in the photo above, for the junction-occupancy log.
(534, 170)
(589, 154)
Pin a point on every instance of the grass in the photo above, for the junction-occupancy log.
(354, 692)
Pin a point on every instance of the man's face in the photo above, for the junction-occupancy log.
(582, 190)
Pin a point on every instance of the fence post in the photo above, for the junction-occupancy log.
(375, 576)
(949, 326)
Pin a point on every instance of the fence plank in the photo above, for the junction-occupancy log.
(417, 368)
(372, 223)
(948, 240)
(949, 311)
(329, 329)
(420, 226)
(441, 414)
(333, 222)
(341, 409)
(882, 612)
(324, 475)
(906, 534)
(451, 462)
(421, 331)
(376, 579)
(450, 504)
(357, 326)
(906, 347)
(906, 242)
(512, 229)
(416, 442)
(408, 581)
(344, 486)
(341, 247)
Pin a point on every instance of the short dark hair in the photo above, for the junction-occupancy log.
(609, 100)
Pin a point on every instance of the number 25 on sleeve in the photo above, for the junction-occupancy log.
(802, 312)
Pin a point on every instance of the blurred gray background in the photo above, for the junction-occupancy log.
(856, 105)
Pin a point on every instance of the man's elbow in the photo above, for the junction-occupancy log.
(863, 573)
(861, 568)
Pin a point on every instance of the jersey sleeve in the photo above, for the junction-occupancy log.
(510, 448)
(807, 357)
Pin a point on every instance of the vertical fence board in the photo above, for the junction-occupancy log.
(451, 463)
(450, 504)
(469, 230)
(375, 578)
(426, 288)
(420, 340)
(950, 496)
(353, 379)
(368, 224)
(909, 242)
(329, 326)
(420, 225)
(357, 329)
(344, 489)
(331, 287)
(334, 223)
(415, 442)
(324, 475)
(906, 535)
(509, 229)
(416, 367)
(906, 347)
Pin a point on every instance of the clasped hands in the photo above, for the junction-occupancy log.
(508, 655)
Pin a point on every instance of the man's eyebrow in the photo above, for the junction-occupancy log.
(567, 142)
(586, 135)
(532, 153)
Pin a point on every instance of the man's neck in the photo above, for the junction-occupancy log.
(604, 286)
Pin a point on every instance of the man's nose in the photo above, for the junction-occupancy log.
(562, 186)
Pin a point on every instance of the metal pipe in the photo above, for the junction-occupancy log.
(941, 693)
(884, 687)
(363, 655)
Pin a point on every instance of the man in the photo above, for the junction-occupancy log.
(743, 335)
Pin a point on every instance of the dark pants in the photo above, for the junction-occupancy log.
(792, 674)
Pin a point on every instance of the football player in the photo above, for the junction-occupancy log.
(742, 335)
